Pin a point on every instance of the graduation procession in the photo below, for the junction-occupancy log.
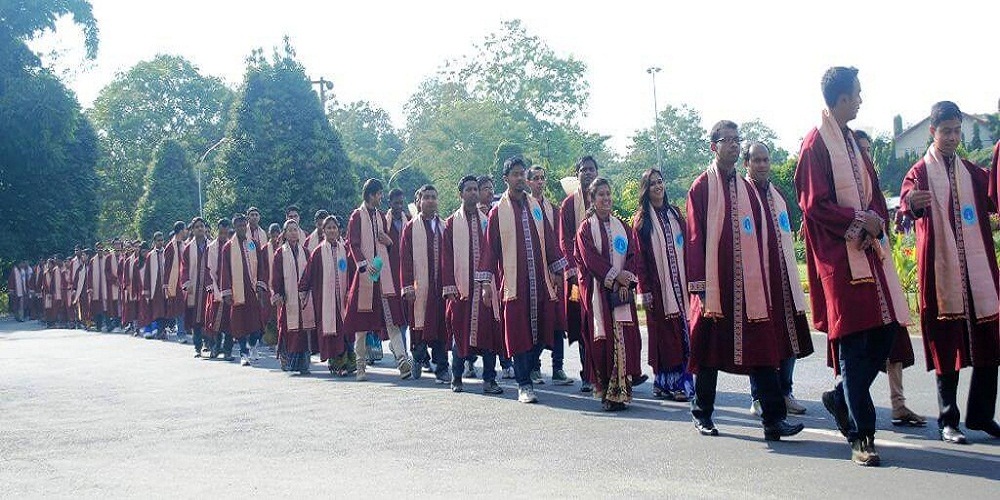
(471, 300)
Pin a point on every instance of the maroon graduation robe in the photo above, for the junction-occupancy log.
(714, 340)
(330, 345)
(368, 321)
(217, 311)
(292, 338)
(791, 326)
(668, 336)
(175, 304)
(194, 278)
(434, 327)
(396, 234)
(515, 316)
(132, 290)
(568, 226)
(248, 317)
(462, 324)
(97, 289)
(155, 293)
(948, 344)
(596, 264)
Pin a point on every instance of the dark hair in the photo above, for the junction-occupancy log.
(321, 214)
(838, 81)
(719, 127)
(513, 161)
(179, 226)
(463, 180)
(254, 209)
(197, 220)
(643, 218)
(749, 145)
(394, 192)
(223, 223)
(483, 179)
(592, 191)
(943, 111)
(332, 218)
(158, 234)
(292, 208)
(238, 217)
(585, 159)
(534, 170)
(861, 134)
(423, 189)
(274, 228)
(371, 187)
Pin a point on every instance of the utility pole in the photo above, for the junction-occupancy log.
(653, 70)
(324, 85)
(201, 166)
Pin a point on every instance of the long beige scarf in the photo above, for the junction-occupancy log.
(57, 283)
(671, 305)
(334, 285)
(259, 235)
(746, 240)
(18, 282)
(853, 187)
(99, 292)
(422, 267)
(295, 310)
(579, 207)
(174, 273)
(212, 254)
(786, 245)
(114, 261)
(193, 272)
(508, 221)
(460, 242)
(154, 260)
(948, 266)
(370, 247)
(617, 250)
(312, 241)
(236, 256)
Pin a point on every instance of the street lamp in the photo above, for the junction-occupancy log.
(653, 70)
(324, 85)
(201, 164)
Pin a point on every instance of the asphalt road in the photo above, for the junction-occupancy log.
(104, 415)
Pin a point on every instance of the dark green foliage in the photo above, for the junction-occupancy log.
(170, 193)
(283, 149)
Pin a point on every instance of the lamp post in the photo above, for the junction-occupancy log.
(324, 85)
(653, 70)
(201, 165)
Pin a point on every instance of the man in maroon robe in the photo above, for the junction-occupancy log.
(194, 279)
(254, 230)
(731, 325)
(373, 305)
(154, 290)
(473, 324)
(536, 182)
(788, 307)
(243, 285)
(172, 281)
(522, 255)
(572, 213)
(17, 289)
(98, 286)
(948, 198)
(217, 311)
(486, 202)
(420, 276)
(79, 299)
(397, 217)
(854, 289)
(315, 237)
(296, 318)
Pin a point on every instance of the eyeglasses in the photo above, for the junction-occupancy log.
(729, 140)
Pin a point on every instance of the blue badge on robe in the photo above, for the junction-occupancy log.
(251, 245)
(537, 213)
(968, 215)
(342, 265)
(679, 241)
(483, 223)
(621, 244)
(783, 222)
(748, 225)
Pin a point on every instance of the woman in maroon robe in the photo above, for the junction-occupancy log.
(296, 319)
(332, 338)
(606, 257)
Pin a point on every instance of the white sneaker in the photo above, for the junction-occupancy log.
(182, 338)
(793, 406)
(755, 408)
(244, 360)
(360, 376)
(526, 395)
(253, 353)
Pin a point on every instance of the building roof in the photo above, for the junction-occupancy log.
(923, 123)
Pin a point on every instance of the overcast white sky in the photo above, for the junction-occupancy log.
(729, 59)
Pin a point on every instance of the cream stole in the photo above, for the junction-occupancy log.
(370, 247)
(57, 284)
(311, 242)
(579, 208)
(948, 270)
(154, 260)
(195, 266)
(236, 252)
(79, 281)
(746, 241)
(847, 168)
(174, 273)
(113, 258)
(785, 243)
(292, 270)
(461, 241)
(508, 222)
(671, 306)
(422, 267)
(18, 282)
(212, 254)
(97, 279)
(334, 285)
(617, 235)
(259, 235)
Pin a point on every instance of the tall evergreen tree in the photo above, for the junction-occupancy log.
(170, 192)
(282, 148)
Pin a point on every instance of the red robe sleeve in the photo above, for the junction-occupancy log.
(263, 271)
(817, 197)
(312, 268)
(448, 256)
(694, 249)
(914, 179)
(226, 272)
(277, 274)
(186, 266)
(169, 254)
(491, 254)
(553, 253)
(406, 270)
(354, 249)
(147, 276)
(567, 234)
(588, 256)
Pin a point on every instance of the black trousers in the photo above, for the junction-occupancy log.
(765, 379)
(982, 401)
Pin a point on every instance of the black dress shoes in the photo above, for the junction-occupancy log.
(991, 427)
(781, 429)
(706, 427)
(952, 435)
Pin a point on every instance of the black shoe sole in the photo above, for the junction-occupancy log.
(831, 406)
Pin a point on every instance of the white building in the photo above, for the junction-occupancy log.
(917, 137)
